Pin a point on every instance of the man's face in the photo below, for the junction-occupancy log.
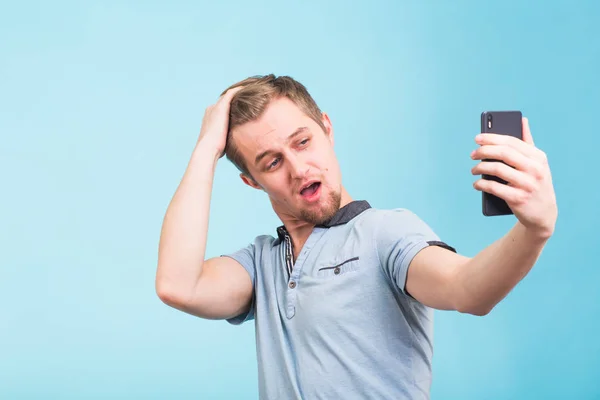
(293, 161)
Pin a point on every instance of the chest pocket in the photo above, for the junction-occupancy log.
(338, 269)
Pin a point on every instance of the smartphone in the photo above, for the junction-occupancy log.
(502, 123)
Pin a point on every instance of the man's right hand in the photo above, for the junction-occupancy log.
(215, 123)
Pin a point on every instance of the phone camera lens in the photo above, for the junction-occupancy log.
(489, 117)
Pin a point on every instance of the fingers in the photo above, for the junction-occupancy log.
(522, 168)
(512, 196)
(527, 138)
(224, 101)
(228, 95)
(510, 156)
(514, 177)
(533, 166)
(231, 92)
(506, 140)
(525, 146)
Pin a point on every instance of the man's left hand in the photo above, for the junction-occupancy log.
(529, 192)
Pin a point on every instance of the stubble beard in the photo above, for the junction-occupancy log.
(324, 213)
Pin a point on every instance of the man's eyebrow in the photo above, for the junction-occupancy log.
(265, 153)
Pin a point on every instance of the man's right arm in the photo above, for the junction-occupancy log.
(216, 288)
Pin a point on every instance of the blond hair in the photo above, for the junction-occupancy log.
(250, 103)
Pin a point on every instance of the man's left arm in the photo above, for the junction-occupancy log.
(444, 280)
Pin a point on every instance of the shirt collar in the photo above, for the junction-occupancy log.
(342, 216)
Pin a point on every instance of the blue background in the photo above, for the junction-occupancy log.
(101, 105)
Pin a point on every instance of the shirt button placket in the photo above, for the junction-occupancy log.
(291, 308)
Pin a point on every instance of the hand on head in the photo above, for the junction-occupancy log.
(215, 123)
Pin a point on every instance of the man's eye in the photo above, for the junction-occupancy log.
(273, 164)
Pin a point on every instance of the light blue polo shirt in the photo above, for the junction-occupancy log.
(338, 324)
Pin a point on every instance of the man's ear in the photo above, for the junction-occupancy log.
(248, 180)
(328, 127)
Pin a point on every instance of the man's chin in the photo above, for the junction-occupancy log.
(324, 213)
(314, 218)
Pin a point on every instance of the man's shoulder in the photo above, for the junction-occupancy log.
(263, 244)
(255, 248)
(377, 216)
(390, 211)
(265, 241)
(392, 224)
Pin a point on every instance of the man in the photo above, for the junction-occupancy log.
(343, 294)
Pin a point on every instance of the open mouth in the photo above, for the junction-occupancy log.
(310, 190)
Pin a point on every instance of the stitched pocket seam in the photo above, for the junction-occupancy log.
(339, 265)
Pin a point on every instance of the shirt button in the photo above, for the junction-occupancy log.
(336, 270)
(292, 284)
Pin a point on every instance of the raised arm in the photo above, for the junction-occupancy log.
(217, 288)
(444, 280)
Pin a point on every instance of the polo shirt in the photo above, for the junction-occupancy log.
(338, 323)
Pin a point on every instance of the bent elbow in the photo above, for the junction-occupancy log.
(479, 310)
(169, 295)
(165, 295)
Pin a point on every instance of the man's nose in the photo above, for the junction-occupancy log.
(298, 168)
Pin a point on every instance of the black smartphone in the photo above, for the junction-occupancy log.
(502, 123)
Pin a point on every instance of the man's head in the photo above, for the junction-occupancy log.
(283, 144)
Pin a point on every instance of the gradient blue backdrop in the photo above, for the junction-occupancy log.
(101, 105)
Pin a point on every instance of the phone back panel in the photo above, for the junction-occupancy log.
(503, 123)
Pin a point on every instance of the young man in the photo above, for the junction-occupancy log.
(343, 294)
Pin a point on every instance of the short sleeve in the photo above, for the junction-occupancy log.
(399, 236)
(246, 257)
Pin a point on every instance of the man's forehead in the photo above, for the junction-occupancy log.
(252, 136)
(277, 122)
